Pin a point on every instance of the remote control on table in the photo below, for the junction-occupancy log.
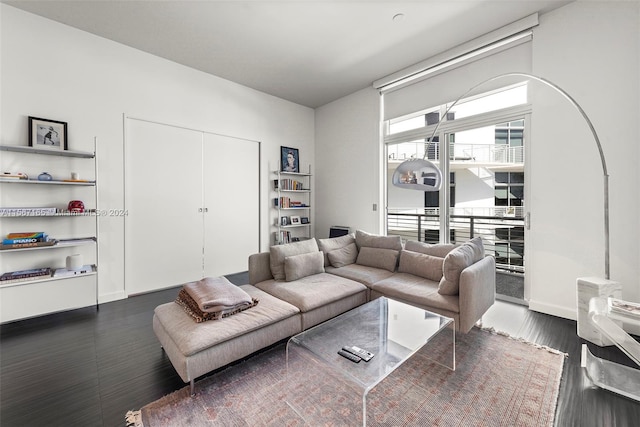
(349, 356)
(362, 354)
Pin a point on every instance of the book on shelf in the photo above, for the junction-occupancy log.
(49, 242)
(16, 238)
(26, 234)
(28, 211)
(625, 308)
(25, 275)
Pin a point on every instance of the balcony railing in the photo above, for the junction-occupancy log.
(501, 229)
(473, 153)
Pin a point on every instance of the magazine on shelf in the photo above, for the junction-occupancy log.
(24, 275)
(626, 308)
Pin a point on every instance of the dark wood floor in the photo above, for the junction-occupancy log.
(88, 367)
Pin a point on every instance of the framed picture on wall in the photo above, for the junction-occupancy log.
(289, 160)
(47, 134)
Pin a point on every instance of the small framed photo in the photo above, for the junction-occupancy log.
(304, 220)
(284, 220)
(47, 134)
(289, 160)
(295, 220)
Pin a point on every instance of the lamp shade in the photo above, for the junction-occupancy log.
(417, 174)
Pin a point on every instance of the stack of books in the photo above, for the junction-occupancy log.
(25, 275)
(26, 240)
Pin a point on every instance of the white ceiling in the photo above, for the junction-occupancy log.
(309, 52)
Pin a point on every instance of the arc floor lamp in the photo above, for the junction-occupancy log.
(423, 175)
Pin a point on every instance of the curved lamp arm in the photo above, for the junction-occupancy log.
(593, 132)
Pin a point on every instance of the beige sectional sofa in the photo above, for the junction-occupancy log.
(302, 284)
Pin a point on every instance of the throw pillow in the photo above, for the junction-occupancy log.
(343, 256)
(328, 245)
(457, 260)
(303, 265)
(439, 249)
(378, 257)
(279, 252)
(422, 265)
(364, 239)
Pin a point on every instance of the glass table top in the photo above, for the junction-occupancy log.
(391, 330)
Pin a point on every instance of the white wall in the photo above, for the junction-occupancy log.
(348, 163)
(591, 49)
(53, 71)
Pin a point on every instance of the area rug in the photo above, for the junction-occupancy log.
(498, 381)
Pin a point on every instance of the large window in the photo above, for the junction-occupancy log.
(480, 145)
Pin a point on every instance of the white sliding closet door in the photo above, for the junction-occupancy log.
(163, 196)
(231, 199)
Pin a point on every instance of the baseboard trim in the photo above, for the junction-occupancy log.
(113, 296)
(552, 309)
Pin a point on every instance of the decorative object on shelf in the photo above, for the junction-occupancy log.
(295, 220)
(74, 262)
(17, 175)
(47, 134)
(289, 160)
(44, 176)
(304, 220)
(284, 220)
(75, 176)
(76, 206)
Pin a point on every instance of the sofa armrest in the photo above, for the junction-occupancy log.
(259, 267)
(477, 291)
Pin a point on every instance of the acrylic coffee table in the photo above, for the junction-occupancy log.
(392, 330)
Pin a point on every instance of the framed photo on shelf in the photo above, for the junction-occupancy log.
(295, 220)
(47, 134)
(289, 159)
(284, 220)
(304, 220)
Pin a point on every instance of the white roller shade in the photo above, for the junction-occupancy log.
(443, 78)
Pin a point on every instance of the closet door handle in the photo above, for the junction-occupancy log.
(200, 210)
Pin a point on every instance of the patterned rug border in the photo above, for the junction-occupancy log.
(494, 331)
(133, 418)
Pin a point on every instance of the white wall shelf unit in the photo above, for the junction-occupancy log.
(68, 230)
(292, 202)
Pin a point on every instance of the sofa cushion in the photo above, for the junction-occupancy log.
(423, 265)
(360, 273)
(417, 291)
(279, 252)
(313, 291)
(378, 257)
(303, 265)
(364, 239)
(343, 256)
(440, 249)
(457, 260)
(331, 244)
